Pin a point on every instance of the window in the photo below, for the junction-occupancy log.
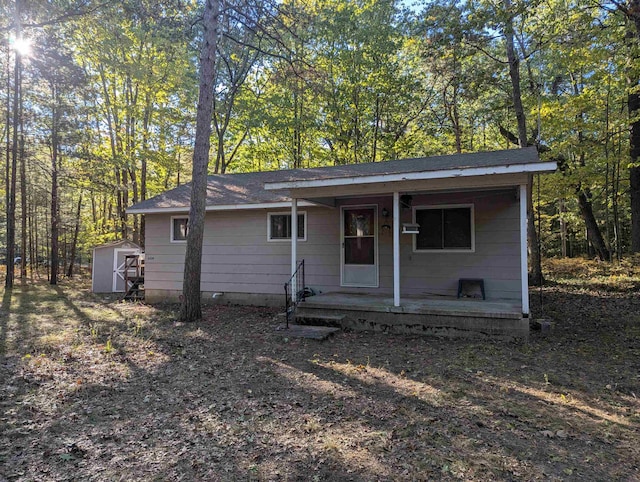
(179, 229)
(359, 235)
(279, 226)
(444, 228)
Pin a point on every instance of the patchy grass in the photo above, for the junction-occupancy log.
(102, 390)
(620, 276)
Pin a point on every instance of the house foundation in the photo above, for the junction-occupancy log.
(448, 318)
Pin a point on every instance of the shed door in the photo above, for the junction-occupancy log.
(119, 268)
(359, 246)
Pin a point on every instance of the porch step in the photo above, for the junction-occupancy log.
(312, 318)
(307, 331)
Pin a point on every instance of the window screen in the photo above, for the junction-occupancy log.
(180, 228)
(444, 228)
(280, 226)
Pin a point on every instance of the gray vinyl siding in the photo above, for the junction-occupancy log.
(238, 258)
(497, 249)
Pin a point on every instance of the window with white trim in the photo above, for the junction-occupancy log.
(444, 228)
(279, 226)
(179, 229)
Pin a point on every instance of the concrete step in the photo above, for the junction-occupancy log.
(311, 317)
(307, 331)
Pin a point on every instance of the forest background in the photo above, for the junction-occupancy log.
(99, 102)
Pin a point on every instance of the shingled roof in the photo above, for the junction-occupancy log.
(420, 164)
(222, 190)
(248, 189)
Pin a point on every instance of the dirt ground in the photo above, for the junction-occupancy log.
(97, 389)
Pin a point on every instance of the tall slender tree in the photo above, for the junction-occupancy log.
(631, 10)
(11, 181)
(191, 305)
(521, 120)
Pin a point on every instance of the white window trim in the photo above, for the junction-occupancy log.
(178, 241)
(285, 213)
(447, 206)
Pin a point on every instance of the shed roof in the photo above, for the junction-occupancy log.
(115, 244)
(269, 189)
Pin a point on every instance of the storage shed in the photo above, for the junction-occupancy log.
(108, 269)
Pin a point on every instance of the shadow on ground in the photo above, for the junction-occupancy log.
(103, 390)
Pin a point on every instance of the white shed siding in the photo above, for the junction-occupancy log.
(102, 270)
(238, 258)
(102, 265)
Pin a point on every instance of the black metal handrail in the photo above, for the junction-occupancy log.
(294, 291)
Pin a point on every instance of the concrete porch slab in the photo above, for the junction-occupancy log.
(415, 305)
(446, 317)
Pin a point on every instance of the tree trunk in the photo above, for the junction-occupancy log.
(65, 254)
(74, 243)
(122, 214)
(32, 248)
(36, 244)
(593, 230)
(297, 126)
(376, 130)
(33, 245)
(631, 10)
(191, 308)
(134, 200)
(563, 229)
(457, 129)
(48, 244)
(121, 228)
(356, 125)
(54, 190)
(220, 160)
(514, 74)
(634, 178)
(634, 171)
(615, 207)
(535, 274)
(11, 186)
(23, 193)
(7, 173)
(143, 166)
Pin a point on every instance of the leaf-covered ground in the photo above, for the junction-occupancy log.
(92, 389)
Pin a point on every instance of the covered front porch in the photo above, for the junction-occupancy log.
(412, 230)
(439, 316)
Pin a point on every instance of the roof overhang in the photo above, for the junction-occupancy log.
(530, 168)
(227, 207)
(115, 244)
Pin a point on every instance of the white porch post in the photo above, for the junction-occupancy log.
(396, 249)
(524, 269)
(294, 248)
